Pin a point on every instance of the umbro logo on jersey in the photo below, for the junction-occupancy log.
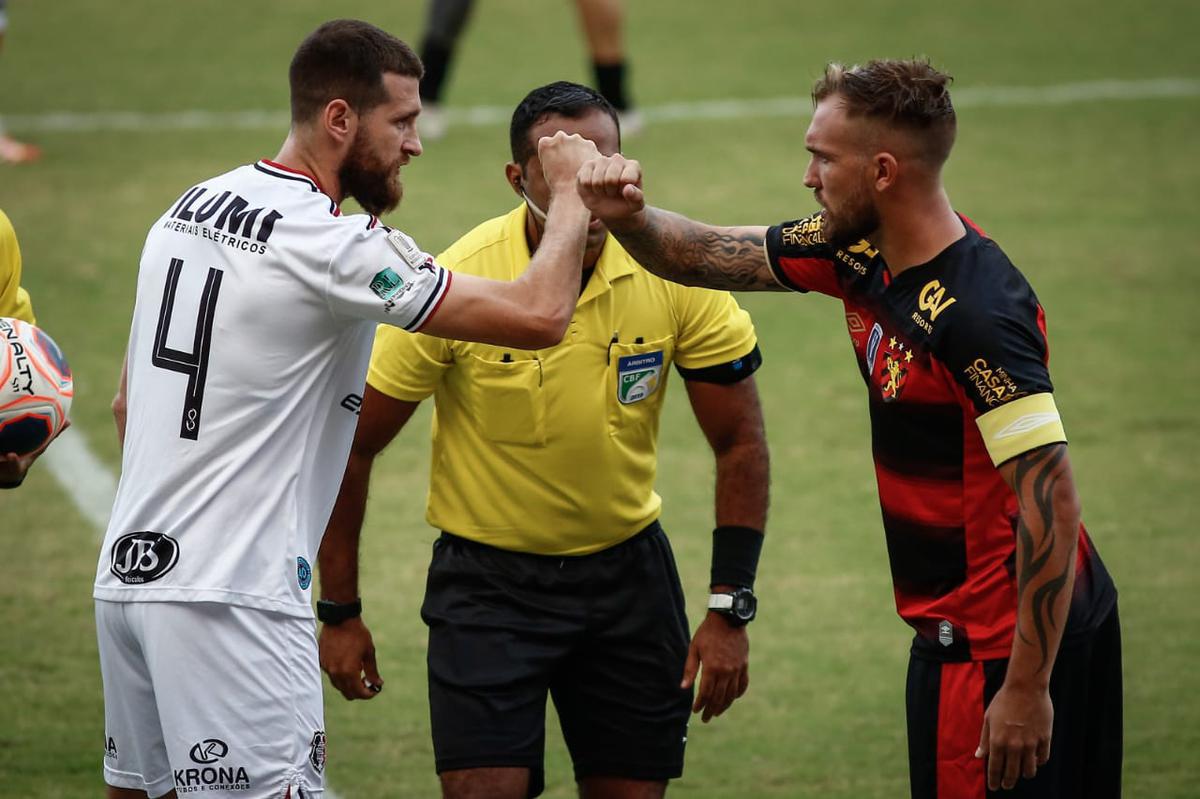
(143, 557)
(1023, 424)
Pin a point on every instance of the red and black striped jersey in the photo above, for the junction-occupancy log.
(955, 359)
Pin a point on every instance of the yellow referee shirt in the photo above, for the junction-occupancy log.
(14, 301)
(554, 451)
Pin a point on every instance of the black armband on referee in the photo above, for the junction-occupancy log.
(735, 554)
(725, 374)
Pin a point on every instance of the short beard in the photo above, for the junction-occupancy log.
(368, 180)
(852, 226)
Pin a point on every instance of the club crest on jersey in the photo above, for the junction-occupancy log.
(638, 376)
(303, 573)
(316, 751)
(893, 374)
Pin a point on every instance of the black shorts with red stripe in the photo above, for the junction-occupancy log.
(946, 702)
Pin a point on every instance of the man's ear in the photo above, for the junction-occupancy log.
(885, 169)
(340, 121)
(515, 177)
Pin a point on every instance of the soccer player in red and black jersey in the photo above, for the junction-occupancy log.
(1015, 679)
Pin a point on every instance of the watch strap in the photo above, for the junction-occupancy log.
(330, 612)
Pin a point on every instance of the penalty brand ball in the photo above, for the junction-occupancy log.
(35, 387)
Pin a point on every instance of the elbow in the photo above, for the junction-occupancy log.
(545, 330)
(1067, 507)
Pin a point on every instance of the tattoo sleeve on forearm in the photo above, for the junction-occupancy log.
(1042, 564)
(678, 249)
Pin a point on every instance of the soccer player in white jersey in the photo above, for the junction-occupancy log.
(256, 307)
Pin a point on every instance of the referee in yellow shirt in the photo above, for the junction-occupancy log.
(552, 574)
(14, 303)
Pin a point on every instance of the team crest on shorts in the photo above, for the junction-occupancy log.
(303, 573)
(945, 633)
(893, 374)
(316, 752)
(638, 376)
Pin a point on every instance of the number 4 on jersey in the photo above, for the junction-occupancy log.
(194, 364)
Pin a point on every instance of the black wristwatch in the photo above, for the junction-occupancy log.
(739, 607)
(330, 612)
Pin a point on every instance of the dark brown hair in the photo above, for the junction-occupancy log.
(906, 94)
(346, 59)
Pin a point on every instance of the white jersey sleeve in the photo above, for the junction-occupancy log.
(382, 275)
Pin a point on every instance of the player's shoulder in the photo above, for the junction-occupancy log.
(980, 277)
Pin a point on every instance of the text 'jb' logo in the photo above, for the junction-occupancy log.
(143, 557)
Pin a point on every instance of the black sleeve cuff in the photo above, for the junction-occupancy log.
(725, 373)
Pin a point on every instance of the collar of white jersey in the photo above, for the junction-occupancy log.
(268, 167)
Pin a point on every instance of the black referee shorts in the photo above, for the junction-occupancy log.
(946, 702)
(604, 634)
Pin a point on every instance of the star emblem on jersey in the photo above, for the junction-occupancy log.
(638, 376)
(894, 371)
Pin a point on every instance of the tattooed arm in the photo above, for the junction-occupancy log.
(669, 245)
(1017, 726)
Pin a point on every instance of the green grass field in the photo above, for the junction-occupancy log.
(1096, 201)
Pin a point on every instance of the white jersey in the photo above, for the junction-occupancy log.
(255, 312)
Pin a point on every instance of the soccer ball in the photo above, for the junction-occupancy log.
(35, 387)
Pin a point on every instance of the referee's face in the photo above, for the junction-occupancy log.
(839, 173)
(386, 140)
(595, 125)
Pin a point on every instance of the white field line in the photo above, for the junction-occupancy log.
(85, 478)
(488, 115)
(90, 484)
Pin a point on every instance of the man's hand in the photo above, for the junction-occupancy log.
(348, 657)
(721, 652)
(562, 155)
(1016, 735)
(13, 467)
(611, 188)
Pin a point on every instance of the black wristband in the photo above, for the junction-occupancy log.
(735, 554)
(329, 612)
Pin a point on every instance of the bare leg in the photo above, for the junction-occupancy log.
(603, 25)
(620, 788)
(485, 783)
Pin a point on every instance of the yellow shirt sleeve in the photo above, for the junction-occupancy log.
(713, 328)
(14, 300)
(407, 366)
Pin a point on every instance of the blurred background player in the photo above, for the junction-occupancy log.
(252, 327)
(11, 150)
(14, 303)
(552, 574)
(603, 23)
(1012, 607)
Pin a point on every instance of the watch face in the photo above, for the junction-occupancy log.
(744, 606)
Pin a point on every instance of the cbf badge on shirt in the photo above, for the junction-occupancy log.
(638, 376)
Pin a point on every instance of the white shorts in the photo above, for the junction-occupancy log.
(211, 699)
